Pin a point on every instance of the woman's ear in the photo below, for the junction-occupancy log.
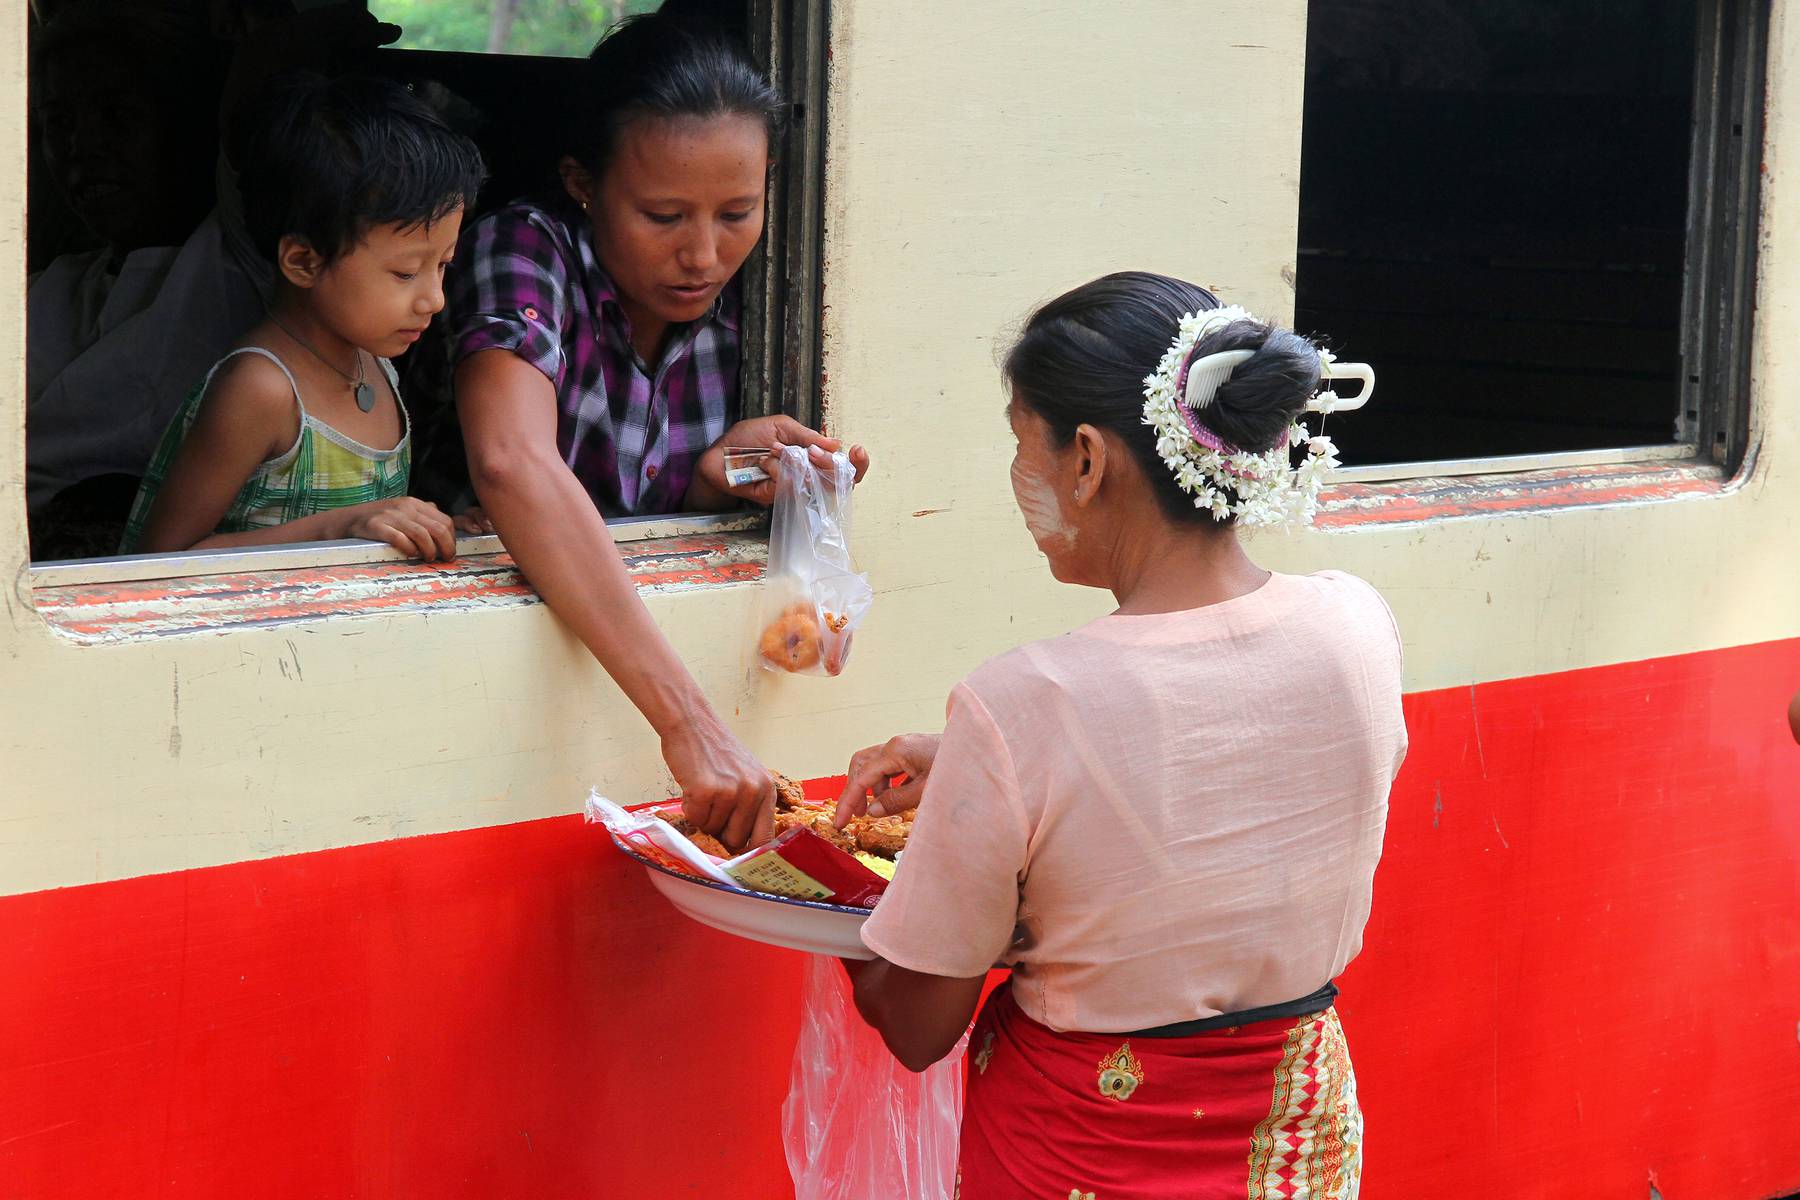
(1089, 447)
(577, 180)
(300, 264)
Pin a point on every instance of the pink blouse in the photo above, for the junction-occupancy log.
(1178, 815)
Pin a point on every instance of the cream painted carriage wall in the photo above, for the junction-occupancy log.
(982, 158)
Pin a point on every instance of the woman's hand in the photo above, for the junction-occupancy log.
(710, 491)
(724, 789)
(871, 787)
(414, 527)
(473, 519)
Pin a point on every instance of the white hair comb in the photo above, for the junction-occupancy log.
(1329, 401)
(1205, 375)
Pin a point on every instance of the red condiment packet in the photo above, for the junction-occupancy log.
(802, 864)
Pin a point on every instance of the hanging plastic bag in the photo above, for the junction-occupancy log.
(857, 1125)
(813, 600)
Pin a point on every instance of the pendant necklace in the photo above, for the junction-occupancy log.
(365, 394)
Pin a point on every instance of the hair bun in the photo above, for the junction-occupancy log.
(1265, 395)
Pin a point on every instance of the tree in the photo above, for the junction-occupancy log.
(567, 28)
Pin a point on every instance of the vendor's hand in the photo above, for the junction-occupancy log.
(724, 789)
(871, 787)
(710, 491)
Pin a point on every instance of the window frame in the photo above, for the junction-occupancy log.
(1714, 422)
(783, 303)
(1724, 222)
(346, 552)
(778, 371)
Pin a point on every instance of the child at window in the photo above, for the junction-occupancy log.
(356, 191)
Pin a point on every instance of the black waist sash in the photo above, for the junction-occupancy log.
(1306, 1006)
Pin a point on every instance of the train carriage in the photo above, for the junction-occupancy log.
(295, 897)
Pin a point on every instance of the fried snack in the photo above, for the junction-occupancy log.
(792, 641)
(788, 794)
(704, 841)
(884, 836)
(818, 818)
(880, 837)
(709, 844)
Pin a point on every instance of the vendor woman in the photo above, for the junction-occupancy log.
(1167, 821)
(597, 344)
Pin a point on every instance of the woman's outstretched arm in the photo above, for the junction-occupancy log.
(551, 528)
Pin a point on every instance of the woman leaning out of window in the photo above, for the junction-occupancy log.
(596, 342)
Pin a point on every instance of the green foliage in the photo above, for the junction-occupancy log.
(555, 27)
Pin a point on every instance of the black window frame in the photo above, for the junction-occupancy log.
(780, 367)
(1715, 416)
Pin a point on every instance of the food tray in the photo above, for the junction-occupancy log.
(807, 925)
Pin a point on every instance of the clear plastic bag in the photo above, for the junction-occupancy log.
(857, 1125)
(813, 600)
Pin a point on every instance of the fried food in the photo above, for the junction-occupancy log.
(793, 641)
(707, 843)
(818, 818)
(788, 794)
(885, 836)
(881, 837)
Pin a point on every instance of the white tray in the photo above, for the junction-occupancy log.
(775, 920)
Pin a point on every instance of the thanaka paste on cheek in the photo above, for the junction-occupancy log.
(1042, 511)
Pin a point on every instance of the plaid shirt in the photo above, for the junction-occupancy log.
(527, 280)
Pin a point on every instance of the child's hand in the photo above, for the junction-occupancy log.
(473, 520)
(414, 527)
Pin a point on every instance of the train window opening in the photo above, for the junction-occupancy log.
(99, 293)
(1537, 219)
(539, 28)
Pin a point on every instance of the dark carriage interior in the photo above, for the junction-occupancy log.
(1493, 212)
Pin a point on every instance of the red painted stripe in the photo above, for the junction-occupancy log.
(508, 1012)
(1583, 974)
(1583, 968)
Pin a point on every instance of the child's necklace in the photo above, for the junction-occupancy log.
(365, 395)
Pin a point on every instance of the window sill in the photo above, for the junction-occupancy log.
(110, 600)
(1425, 497)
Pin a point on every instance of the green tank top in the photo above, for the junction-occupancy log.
(321, 471)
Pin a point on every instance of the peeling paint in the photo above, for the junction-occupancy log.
(1349, 505)
(109, 613)
(175, 714)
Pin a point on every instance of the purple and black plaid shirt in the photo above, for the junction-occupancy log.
(527, 280)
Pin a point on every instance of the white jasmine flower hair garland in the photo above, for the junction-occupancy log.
(1258, 489)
